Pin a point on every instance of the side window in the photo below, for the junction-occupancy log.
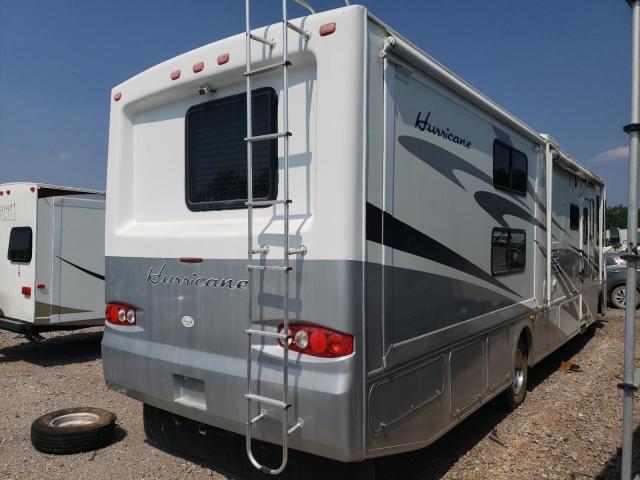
(585, 225)
(20, 244)
(574, 217)
(597, 219)
(592, 223)
(509, 168)
(508, 251)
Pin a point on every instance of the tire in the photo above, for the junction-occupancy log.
(516, 393)
(618, 297)
(73, 430)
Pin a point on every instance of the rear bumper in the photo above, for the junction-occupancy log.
(26, 328)
(209, 388)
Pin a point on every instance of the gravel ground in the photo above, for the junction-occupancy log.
(568, 428)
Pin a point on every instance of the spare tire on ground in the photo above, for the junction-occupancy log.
(73, 430)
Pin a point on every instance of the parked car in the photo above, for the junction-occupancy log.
(617, 278)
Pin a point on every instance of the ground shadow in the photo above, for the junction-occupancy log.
(611, 470)
(57, 350)
(551, 363)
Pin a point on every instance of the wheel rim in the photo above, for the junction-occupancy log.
(620, 296)
(518, 376)
(74, 419)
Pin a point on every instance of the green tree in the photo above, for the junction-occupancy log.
(616, 216)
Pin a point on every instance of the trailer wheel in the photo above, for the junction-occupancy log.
(517, 392)
(73, 430)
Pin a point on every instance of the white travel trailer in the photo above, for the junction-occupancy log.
(356, 269)
(51, 258)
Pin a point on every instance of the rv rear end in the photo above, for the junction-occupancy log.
(177, 284)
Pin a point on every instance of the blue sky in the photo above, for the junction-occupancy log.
(562, 67)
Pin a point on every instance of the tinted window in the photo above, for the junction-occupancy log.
(574, 217)
(20, 244)
(508, 251)
(216, 153)
(518, 171)
(585, 225)
(501, 156)
(509, 168)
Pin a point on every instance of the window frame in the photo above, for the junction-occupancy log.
(511, 150)
(509, 270)
(237, 204)
(13, 259)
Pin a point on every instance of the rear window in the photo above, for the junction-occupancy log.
(20, 244)
(216, 153)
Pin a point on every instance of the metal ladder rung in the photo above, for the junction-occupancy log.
(267, 68)
(268, 136)
(297, 29)
(266, 203)
(269, 401)
(262, 40)
(268, 267)
(264, 333)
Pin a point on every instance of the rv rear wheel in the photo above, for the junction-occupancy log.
(73, 430)
(517, 392)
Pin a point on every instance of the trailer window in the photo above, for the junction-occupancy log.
(20, 244)
(574, 216)
(216, 153)
(509, 168)
(508, 251)
(585, 225)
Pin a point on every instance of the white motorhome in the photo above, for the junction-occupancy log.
(357, 268)
(51, 258)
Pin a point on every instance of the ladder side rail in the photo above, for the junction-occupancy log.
(249, 220)
(285, 300)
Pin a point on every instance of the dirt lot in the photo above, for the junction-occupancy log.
(568, 428)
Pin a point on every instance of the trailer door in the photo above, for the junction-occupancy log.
(17, 253)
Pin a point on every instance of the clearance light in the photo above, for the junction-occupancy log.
(33, 189)
(198, 67)
(40, 286)
(120, 314)
(8, 192)
(117, 96)
(327, 29)
(26, 291)
(175, 75)
(222, 59)
(318, 341)
(190, 260)
(1, 193)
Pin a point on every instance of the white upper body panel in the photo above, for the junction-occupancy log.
(147, 215)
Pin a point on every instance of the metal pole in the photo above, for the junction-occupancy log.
(549, 190)
(628, 386)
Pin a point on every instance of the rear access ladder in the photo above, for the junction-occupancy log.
(284, 337)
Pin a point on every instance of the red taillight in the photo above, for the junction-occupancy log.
(26, 291)
(327, 29)
(120, 314)
(318, 341)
